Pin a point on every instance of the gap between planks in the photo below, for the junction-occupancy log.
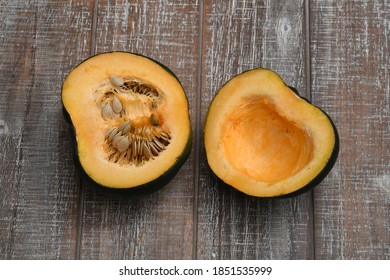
(309, 96)
(197, 134)
(81, 202)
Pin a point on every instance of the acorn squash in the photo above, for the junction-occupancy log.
(130, 118)
(263, 139)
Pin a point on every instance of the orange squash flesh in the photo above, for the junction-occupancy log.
(90, 82)
(263, 144)
(264, 140)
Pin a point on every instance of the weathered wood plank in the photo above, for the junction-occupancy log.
(39, 186)
(41, 41)
(158, 225)
(237, 36)
(351, 81)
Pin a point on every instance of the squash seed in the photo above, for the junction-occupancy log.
(134, 148)
(126, 129)
(116, 81)
(158, 144)
(112, 133)
(122, 143)
(154, 120)
(116, 139)
(153, 149)
(139, 147)
(116, 105)
(108, 132)
(165, 135)
(107, 111)
(146, 151)
(123, 125)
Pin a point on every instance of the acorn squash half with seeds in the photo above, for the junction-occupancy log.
(263, 139)
(130, 118)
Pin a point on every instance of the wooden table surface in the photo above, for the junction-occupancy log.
(336, 53)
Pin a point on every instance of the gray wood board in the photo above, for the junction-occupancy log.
(336, 53)
(350, 80)
(41, 42)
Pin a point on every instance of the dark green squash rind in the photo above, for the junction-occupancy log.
(149, 187)
(329, 165)
(325, 171)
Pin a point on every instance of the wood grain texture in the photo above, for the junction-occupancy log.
(41, 41)
(237, 36)
(47, 211)
(159, 225)
(350, 80)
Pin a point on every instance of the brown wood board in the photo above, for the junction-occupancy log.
(336, 53)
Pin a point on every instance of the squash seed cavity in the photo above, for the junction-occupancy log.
(131, 109)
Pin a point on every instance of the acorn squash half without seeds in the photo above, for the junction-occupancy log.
(130, 119)
(263, 139)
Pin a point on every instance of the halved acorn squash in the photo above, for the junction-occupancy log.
(130, 118)
(264, 140)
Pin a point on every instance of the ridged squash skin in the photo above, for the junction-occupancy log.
(264, 140)
(89, 128)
